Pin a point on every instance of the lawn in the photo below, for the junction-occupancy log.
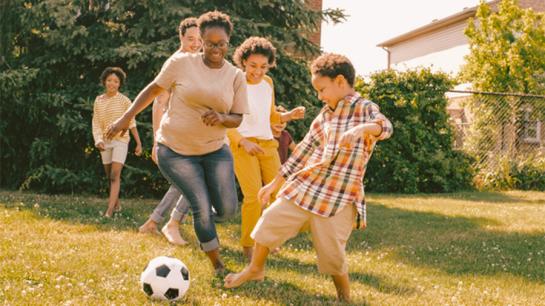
(463, 248)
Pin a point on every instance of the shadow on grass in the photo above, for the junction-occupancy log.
(285, 293)
(281, 292)
(456, 245)
(80, 210)
(489, 196)
(281, 263)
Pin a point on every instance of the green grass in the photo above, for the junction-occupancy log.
(465, 248)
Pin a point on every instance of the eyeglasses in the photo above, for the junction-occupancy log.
(220, 45)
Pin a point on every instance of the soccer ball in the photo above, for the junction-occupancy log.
(165, 278)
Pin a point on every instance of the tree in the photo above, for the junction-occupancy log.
(506, 55)
(506, 49)
(54, 50)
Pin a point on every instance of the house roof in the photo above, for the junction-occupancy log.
(434, 26)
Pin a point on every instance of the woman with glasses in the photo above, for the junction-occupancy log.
(209, 95)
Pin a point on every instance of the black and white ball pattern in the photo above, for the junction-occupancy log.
(165, 278)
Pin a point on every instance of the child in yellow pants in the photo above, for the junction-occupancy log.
(255, 154)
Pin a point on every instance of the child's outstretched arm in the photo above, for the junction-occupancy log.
(294, 114)
(264, 194)
(281, 115)
(144, 98)
(377, 126)
(350, 137)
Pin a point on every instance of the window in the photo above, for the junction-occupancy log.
(531, 127)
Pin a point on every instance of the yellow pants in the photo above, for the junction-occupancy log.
(252, 173)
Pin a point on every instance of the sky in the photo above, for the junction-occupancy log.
(372, 22)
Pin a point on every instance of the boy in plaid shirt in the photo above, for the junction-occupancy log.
(321, 182)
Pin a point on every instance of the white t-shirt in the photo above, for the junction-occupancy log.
(257, 123)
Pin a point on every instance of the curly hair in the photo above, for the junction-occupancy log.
(331, 65)
(215, 19)
(255, 45)
(187, 24)
(113, 70)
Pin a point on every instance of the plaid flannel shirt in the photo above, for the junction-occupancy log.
(323, 178)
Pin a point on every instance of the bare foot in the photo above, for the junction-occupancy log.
(117, 207)
(173, 235)
(149, 227)
(108, 214)
(233, 280)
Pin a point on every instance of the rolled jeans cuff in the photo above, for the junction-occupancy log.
(156, 217)
(210, 245)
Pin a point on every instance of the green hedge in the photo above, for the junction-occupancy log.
(526, 173)
(419, 157)
(54, 52)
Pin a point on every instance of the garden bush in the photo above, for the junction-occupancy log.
(420, 156)
(54, 51)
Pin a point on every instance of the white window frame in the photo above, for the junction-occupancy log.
(531, 125)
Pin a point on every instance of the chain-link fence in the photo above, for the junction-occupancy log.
(498, 130)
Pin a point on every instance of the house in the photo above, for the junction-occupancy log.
(442, 45)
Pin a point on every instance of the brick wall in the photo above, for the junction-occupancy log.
(316, 5)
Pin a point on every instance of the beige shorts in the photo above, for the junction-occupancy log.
(115, 151)
(283, 220)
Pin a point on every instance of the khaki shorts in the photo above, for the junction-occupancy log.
(284, 219)
(115, 151)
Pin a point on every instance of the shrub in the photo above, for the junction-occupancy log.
(524, 174)
(419, 157)
(53, 54)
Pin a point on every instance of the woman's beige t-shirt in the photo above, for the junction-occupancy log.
(196, 88)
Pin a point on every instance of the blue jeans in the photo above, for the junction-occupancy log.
(206, 181)
(172, 197)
